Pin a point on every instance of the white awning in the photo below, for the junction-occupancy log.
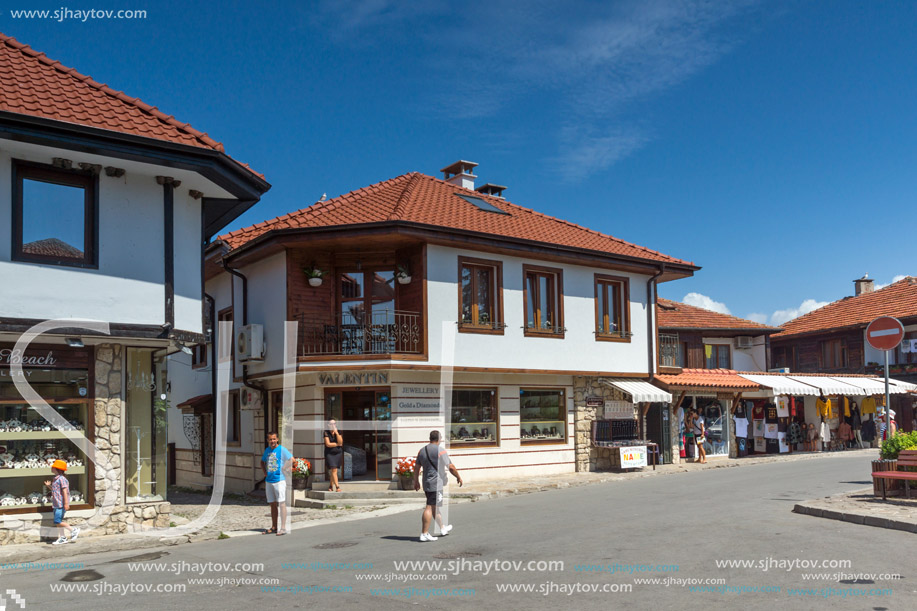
(829, 386)
(871, 386)
(904, 385)
(639, 390)
(782, 384)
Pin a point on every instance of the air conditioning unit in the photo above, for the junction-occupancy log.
(249, 398)
(779, 370)
(250, 343)
(744, 342)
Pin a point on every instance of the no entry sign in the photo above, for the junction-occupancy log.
(885, 333)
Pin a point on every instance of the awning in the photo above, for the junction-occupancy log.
(639, 390)
(871, 386)
(781, 384)
(705, 380)
(829, 386)
(904, 385)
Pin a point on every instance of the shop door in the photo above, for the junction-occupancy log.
(365, 422)
(658, 430)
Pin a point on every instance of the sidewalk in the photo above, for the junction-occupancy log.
(862, 507)
(244, 516)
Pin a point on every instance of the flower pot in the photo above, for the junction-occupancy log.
(301, 483)
(404, 279)
(315, 281)
(406, 482)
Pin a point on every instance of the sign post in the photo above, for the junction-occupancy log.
(885, 333)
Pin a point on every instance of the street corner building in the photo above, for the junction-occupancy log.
(425, 303)
(107, 202)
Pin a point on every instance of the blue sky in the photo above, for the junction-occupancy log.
(772, 143)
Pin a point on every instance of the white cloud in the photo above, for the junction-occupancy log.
(702, 301)
(781, 316)
(758, 317)
(894, 280)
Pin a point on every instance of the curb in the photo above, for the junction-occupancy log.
(811, 508)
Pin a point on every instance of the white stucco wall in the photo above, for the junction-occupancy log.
(128, 286)
(577, 351)
(744, 359)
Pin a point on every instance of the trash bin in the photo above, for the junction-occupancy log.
(885, 465)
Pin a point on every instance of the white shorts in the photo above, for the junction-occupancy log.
(276, 492)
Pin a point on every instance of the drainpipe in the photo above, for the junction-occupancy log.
(213, 369)
(650, 329)
(256, 385)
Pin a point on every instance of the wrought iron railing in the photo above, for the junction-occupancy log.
(668, 350)
(382, 332)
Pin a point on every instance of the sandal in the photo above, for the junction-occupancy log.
(339, 489)
(281, 532)
(269, 531)
(331, 489)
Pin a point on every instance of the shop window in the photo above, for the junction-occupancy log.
(717, 356)
(669, 350)
(55, 215)
(786, 356)
(542, 416)
(480, 296)
(146, 435)
(833, 354)
(233, 418)
(612, 322)
(28, 442)
(544, 301)
(474, 417)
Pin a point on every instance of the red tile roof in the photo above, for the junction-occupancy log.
(706, 378)
(898, 299)
(676, 315)
(424, 200)
(33, 84)
(52, 247)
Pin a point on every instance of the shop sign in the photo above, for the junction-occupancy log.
(594, 401)
(416, 398)
(633, 457)
(44, 356)
(618, 409)
(11, 356)
(353, 378)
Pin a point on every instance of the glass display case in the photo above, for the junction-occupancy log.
(474, 417)
(29, 444)
(542, 416)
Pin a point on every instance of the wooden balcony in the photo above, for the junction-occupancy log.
(383, 332)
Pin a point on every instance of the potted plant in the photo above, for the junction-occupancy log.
(302, 474)
(314, 275)
(403, 275)
(405, 472)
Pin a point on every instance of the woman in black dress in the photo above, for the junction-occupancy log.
(334, 454)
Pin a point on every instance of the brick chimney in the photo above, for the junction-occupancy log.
(460, 174)
(864, 285)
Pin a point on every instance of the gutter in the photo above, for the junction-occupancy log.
(213, 370)
(245, 380)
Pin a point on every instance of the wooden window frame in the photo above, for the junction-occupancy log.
(841, 354)
(85, 180)
(496, 267)
(602, 282)
(556, 294)
(235, 413)
(496, 423)
(564, 417)
(199, 356)
(715, 350)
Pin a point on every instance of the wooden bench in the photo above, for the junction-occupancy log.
(907, 458)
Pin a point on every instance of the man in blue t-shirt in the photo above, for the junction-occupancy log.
(275, 462)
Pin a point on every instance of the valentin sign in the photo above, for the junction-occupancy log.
(353, 378)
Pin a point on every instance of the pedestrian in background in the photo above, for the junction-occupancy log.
(60, 502)
(276, 462)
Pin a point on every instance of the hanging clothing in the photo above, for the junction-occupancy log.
(783, 407)
(846, 407)
(793, 407)
(868, 406)
(770, 413)
(794, 433)
(783, 443)
(844, 432)
(856, 420)
(741, 425)
(757, 412)
(824, 433)
(868, 431)
(823, 407)
(770, 431)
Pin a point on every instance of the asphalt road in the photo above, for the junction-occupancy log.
(680, 525)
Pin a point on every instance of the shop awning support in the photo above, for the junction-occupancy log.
(736, 399)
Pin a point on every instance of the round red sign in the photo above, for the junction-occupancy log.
(885, 333)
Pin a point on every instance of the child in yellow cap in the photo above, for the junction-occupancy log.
(60, 502)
